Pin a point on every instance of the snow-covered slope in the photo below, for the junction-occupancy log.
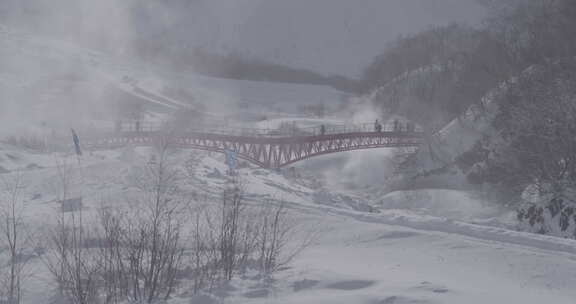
(395, 252)
(50, 84)
(460, 135)
(226, 95)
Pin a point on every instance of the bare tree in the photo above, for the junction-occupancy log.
(111, 255)
(276, 244)
(205, 247)
(272, 238)
(133, 255)
(15, 237)
(153, 235)
(225, 238)
(236, 236)
(69, 261)
(229, 234)
(537, 123)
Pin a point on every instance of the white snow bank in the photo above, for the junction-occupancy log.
(482, 232)
(452, 204)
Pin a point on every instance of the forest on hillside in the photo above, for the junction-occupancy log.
(523, 59)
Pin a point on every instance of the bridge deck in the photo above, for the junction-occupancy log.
(268, 152)
(266, 148)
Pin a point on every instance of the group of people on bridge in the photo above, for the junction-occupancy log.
(410, 127)
(397, 127)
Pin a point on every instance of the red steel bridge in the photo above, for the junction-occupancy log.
(267, 148)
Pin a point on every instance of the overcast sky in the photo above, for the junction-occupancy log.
(333, 36)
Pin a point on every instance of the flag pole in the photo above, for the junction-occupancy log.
(79, 234)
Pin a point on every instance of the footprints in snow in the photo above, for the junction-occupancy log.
(304, 284)
(423, 286)
(341, 285)
(421, 293)
(351, 285)
(258, 293)
(402, 300)
(397, 235)
(427, 286)
(361, 284)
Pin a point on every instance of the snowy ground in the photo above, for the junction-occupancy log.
(398, 249)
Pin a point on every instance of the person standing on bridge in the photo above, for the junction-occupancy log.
(322, 130)
(377, 126)
(410, 127)
(397, 127)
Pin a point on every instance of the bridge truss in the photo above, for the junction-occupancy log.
(266, 152)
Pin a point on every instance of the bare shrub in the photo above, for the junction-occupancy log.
(230, 234)
(72, 265)
(153, 237)
(138, 254)
(111, 256)
(15, 237)
(272, 238)
(278, 241)
(132, 256)
(239, 237)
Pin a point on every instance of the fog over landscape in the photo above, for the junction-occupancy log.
(287, 151)
(333, 37)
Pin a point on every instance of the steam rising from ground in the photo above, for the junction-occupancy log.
(353, 170)
(357, 169)
(48, 73)
(54, 74)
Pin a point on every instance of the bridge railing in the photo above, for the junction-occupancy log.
(287, 130)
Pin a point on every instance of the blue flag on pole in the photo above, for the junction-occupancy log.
(231, 159)
(76, 143)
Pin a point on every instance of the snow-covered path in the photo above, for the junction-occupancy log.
(355, 261)
(403, 256)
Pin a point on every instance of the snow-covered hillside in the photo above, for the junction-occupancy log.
(41, 77)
